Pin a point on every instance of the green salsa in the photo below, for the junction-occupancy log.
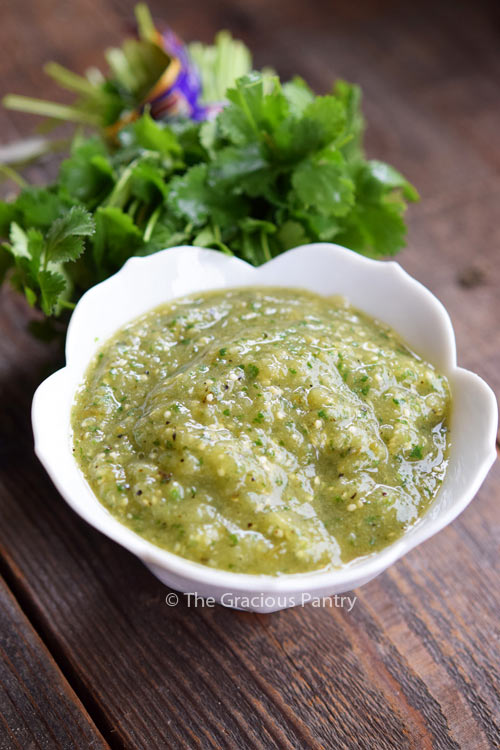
(262, 430)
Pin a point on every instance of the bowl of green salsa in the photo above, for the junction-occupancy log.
(262, 435)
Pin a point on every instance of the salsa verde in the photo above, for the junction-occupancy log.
(262, 430)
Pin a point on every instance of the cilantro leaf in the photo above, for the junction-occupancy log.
(324, 119)
(243, 168)
(256, 107)
(323, 186)
(324, 228)
(193, 198)
(376, 229)
(375, 226)
(27, 249)
(147, 182)
(18, 245)
(350, 97)
(64, 239)
(152, 136)
(52, 285)
(390, 179)
(298, 95)
(189, 195)
(88, 175)
(35, 246)
(116, 239)
(39, 207)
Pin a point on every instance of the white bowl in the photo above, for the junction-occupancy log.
(380, 288)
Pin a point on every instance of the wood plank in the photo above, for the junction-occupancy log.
(415, 663)
(38, 708)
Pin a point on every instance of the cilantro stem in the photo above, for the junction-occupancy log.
(48, 109)
(265, 245)
(69, 80)
(151, 224)
(119, 194)
(65, 303)
(133, 207)
(145, 23)
(218, 240)
(248, 253)
(11, 174)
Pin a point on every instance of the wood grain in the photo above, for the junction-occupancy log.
(415, 664)
(38, 709)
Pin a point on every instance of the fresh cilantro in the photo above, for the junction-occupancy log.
(64, 240)
(117, 237)
(36, 258)
(156, 137)
(88, 175)
(323, 186)
(276, 168)
(52, 285)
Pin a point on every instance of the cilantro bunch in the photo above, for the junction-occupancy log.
(276, 168)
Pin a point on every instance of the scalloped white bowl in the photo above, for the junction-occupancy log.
(380, 288)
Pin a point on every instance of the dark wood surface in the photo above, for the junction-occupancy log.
(38, 708)
(91, 653)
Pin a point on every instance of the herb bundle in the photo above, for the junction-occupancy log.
(190, 146)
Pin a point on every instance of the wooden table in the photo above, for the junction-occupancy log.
(92, 656)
